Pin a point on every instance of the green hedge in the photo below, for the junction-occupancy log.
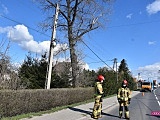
(25, 101)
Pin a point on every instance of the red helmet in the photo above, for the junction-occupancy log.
(100, 78)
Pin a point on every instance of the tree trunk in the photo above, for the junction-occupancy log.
(73, 56)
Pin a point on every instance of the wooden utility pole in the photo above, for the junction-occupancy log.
(52, 45)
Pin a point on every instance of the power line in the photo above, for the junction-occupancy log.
(99, 61)
(25, 25)
(96, 54)
(94, 44)
(108, 26)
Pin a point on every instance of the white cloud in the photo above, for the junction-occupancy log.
(60, 47)
(24, 39)
(84, 65)
(4, 30)
(129, 16)
(150, 72)
(152, 42)
(153, 7)
(18, 33)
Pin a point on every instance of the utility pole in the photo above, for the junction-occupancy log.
(115, 65)
(52, 45)
(138, 81)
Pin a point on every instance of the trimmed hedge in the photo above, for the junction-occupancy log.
(16, 102)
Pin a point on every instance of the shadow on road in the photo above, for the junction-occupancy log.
(110, 115)
(80, 110)
(157, 116)
(89, 112)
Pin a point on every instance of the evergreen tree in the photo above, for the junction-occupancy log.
(125, 74)
(110, 82)
(32, 72)
(123, 67)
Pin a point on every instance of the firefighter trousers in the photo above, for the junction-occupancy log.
(124, 105)
(97, 109)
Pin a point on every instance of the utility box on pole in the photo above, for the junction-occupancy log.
(52, 45)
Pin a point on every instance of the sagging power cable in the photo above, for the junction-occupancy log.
(96, 54)
(25, 25)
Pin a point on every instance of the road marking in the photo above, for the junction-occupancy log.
(159, 103)
(156, 98)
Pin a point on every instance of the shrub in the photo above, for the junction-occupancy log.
(16, 102)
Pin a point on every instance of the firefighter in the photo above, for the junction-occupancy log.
(124, 98)
(97, 110)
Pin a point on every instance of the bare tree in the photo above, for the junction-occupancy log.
(8, 76)
(76, 18)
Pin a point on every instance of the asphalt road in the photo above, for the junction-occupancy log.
(141, 107)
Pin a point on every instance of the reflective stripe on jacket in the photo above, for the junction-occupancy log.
(124, 94)
(98, 89)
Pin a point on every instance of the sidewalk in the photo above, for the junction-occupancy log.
(81, 112)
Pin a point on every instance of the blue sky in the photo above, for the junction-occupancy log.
(132, 33)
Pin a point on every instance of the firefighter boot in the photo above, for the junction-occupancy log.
(94, 114)
(127, 115)
(99, 115)
(94, 117)
(120, 114)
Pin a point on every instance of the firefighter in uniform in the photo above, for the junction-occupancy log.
(124, 98)
(97, 110)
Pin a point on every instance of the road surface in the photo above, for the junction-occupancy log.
(141, 107)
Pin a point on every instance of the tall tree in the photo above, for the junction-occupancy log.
(76, 18)
(123, 67)
(123, 70)
(124, 73)
(110, 83)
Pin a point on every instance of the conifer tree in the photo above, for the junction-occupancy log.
(125, 74)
